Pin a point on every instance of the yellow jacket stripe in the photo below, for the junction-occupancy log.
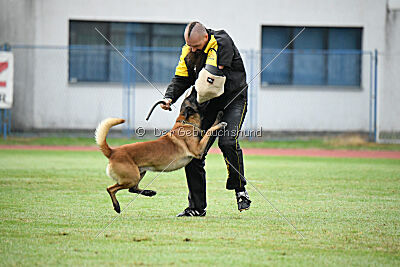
(211, 51)
(181, 69)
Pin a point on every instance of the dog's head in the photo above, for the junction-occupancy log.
(191, 110)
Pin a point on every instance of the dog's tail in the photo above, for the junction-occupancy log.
(101, 134)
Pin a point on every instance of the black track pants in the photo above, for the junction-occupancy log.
(228, 142)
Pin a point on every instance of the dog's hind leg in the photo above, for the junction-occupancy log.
(128, 177)
(136, 190)
(147, 193)
(112, 190)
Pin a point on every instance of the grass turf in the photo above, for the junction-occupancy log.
(53, 203)
(322, 143)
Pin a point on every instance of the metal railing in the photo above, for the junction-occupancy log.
(60, 79)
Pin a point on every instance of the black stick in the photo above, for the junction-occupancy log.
(154, 106)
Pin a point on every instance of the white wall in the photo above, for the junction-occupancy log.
(17, 25)
(389, 93)
(277, 108)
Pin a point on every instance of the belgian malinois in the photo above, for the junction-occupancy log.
(174, 150)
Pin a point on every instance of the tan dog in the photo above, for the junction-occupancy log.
(129, 163)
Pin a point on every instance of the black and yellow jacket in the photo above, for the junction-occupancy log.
(219, 51)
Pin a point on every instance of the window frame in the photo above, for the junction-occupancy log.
(326, 51)
(109, 49)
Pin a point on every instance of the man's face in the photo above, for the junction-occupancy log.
(196, 42)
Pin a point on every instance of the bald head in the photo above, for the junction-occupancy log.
(196, 35)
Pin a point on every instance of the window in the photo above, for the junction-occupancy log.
(153, 48)
(319, 56)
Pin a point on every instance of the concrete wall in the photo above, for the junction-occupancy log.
(57, 103)
(17, 25)
(389, 93)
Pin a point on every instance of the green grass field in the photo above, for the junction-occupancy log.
(353, 143)
(53, 203)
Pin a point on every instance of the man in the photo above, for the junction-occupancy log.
(213, 56)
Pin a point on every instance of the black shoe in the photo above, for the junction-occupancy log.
(243, 200)
(189, 212)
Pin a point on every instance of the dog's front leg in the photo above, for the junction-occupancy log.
(204, 141)
(218, 119)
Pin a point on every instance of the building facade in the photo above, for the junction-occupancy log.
(325, 81)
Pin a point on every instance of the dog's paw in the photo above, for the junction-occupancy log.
(148, 193)
(117, 207)
(223, 124)
(133, 190)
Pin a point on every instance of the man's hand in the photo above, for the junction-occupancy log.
(166, 106)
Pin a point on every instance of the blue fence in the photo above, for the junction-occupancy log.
(295, 67)
(103, 66)
(327, 69)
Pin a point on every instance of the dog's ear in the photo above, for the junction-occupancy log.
(203, 106)
(190, 99)
(193, 95)
(188, 112)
